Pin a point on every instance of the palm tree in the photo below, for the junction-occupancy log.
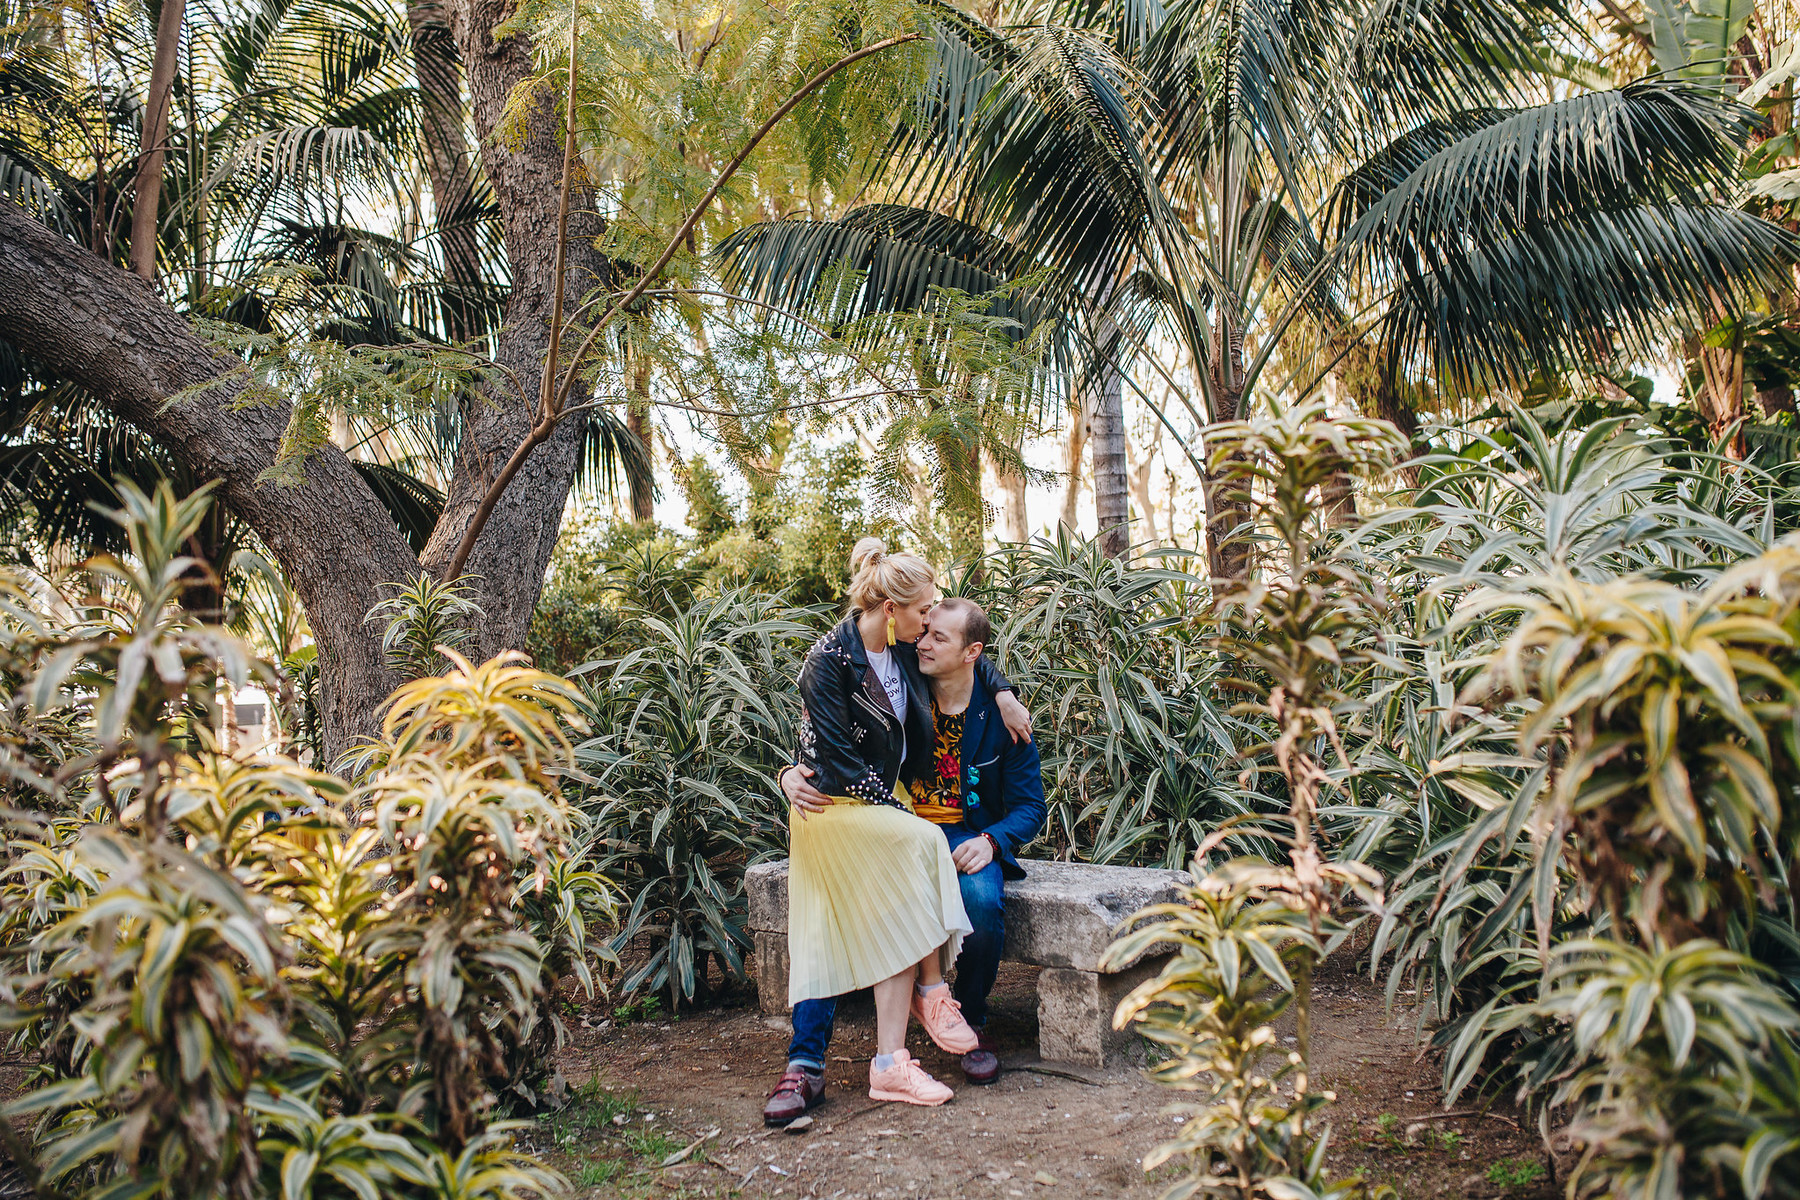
(1238, 172)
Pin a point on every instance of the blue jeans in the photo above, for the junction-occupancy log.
(976, 965)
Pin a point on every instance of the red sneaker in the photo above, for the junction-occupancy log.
(797, 1092)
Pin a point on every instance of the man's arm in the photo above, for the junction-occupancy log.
(1023, 792)
(1012, 710)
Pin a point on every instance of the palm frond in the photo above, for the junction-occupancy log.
(1423, 59)
(414, 504)
(1033, 138)
(1652, 140)
(880, 258)
(1509, 306)
(612, 455)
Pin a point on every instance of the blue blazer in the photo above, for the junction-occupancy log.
(1002, 781)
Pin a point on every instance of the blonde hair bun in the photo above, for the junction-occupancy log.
(867, 552)
(877, 576)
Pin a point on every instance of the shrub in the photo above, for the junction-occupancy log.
(243, 977)
(690, 732)
(1139, 760)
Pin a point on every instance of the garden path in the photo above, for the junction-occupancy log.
(1044, 1131)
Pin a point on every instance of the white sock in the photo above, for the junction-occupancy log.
(884, 1062)
(926, 991)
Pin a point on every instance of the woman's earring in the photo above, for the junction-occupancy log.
(891, 638)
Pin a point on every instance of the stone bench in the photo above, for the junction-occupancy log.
(1061, 917)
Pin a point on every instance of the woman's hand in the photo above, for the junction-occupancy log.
(1016, 716)
(801, 794)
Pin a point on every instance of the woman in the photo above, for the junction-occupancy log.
(873, 897)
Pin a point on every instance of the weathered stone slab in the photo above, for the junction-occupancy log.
(1061, 917)
(767, 885)
(1064, 914)
(1075, 1011)
(771, 971)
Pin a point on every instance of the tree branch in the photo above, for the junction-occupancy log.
(549, 415)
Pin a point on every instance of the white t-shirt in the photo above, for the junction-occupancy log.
(894, 684)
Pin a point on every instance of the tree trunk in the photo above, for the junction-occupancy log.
(1112, 504)
(1014, 515)
(449, 166)
(1721, 397)
(1228, 504)
(1073, 448)
(524, 167)
(109, 333)
(146, 198)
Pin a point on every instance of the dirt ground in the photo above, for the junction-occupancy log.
(657, 1087)
(650, 1089)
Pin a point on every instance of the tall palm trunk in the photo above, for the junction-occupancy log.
(1112, 503)
(1228, 509)
(146, 197)
(1074, 446)
(1112, 496)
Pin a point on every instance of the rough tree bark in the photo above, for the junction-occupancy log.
(525, 172)
(109, 332)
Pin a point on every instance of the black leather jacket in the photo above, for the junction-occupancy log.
(849, 736)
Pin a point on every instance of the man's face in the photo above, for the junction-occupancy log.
(942, 650)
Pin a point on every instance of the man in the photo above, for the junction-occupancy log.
(986, 791)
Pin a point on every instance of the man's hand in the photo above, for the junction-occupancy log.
(1016, 716)
(973, 855)
(801, 794)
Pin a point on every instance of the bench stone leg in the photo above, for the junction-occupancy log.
(772, 972)
(1075, 1010)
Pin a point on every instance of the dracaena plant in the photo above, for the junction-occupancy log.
(242, 977)
(1250, 933)
(1661, 721)
(1241, 937)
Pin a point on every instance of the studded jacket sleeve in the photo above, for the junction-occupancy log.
(990, 675)
(827, 736)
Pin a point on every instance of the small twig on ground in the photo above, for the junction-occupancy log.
(861, 1112)
(1418, 1123)
(692, 1146)
(1038, 1069)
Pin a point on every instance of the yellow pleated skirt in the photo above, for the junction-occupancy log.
(871, 891)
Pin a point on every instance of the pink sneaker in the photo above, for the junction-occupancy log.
(943, 1021)
(907, 1082)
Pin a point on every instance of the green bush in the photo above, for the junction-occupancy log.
(243, 977)
(690, 730)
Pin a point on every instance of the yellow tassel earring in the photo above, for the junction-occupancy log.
(891, 638)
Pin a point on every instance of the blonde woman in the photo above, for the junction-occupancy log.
(873, 896)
